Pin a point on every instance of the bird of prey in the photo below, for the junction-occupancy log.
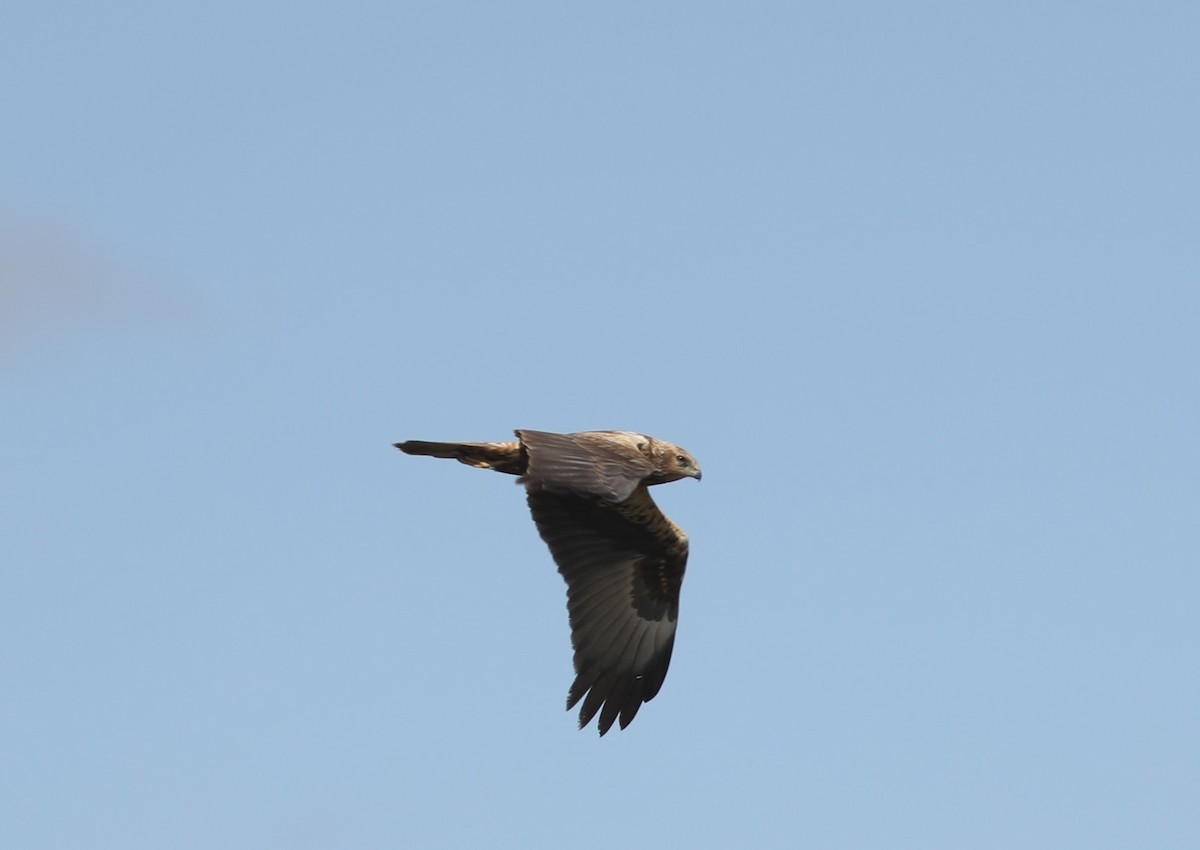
(622, 559)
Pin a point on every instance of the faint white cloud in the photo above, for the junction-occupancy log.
(52, 281)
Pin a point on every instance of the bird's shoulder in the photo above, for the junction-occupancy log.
(604, 464)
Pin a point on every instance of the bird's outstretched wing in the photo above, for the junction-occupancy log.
(623, 564)
(606, 464)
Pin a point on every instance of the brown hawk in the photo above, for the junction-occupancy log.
(622, 558)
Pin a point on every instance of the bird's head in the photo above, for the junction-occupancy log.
(675, 463)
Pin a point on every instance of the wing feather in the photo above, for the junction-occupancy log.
(594, 463)
(623, 564)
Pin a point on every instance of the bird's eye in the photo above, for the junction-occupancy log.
(681, 459)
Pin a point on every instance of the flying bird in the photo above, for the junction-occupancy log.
(622, 558)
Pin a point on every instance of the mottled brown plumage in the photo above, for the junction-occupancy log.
(622, 559)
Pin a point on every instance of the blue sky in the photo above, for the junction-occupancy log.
(917, 284)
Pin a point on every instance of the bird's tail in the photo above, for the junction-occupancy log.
(502, 457)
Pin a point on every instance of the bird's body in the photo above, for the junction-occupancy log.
(622, 558)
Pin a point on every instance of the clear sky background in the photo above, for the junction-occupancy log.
(917, 283)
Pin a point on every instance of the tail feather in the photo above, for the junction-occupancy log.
(502, 457)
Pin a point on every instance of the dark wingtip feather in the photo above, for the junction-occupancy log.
(609, 697)
(589, 708)
(581, 685)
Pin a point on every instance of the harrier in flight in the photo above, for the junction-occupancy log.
(622, 559)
